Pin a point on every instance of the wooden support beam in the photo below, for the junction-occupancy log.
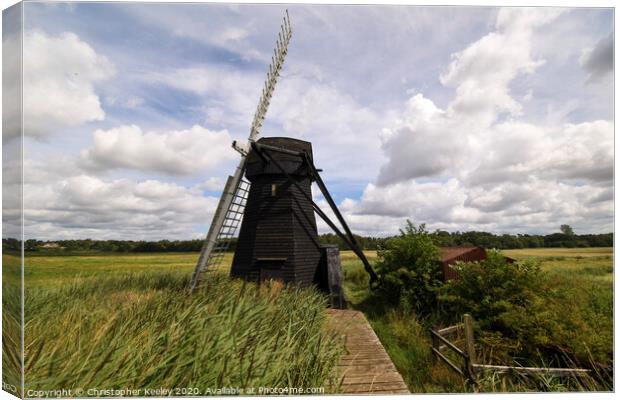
(502, 369)
(449, 344)
(448, 361)
(449, 329)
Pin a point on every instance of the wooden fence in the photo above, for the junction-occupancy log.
(468, 366)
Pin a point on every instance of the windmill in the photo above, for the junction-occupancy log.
(274, 206)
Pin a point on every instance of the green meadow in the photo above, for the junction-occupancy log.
(113, 321)
(588, 264)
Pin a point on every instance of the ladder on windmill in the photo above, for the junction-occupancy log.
(228, 229)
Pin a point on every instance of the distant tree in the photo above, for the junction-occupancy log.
(11, 244)
(31, 245)
(443, 238)
(567, 230)
(440, 238)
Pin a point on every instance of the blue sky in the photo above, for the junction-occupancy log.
(459, 117)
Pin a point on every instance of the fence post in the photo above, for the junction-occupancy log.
(469, 337)
(470, 349)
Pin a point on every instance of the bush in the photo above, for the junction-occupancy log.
(502, 297)
(409, 269)
(493, 287)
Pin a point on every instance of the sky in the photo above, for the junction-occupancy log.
(462, 118)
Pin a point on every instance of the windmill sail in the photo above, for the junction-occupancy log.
(230, 208)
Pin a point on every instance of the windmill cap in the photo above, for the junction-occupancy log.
(292, 164)
(287, 143)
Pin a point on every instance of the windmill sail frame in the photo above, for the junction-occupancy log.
(217, 239)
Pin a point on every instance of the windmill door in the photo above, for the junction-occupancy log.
(271, 268)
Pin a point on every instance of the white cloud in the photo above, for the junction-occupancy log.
(226, 90)
(59, 77)
(212, 184)
(478, 164)
(342, 131)
(517, 151)
(427, 141)
(534, 206)
(521, 20)
(303, 106)
(84, 206)
(186, 152)
(423, 142)
(232, 34)
(411, 198)
(11, 189)
(480, 74)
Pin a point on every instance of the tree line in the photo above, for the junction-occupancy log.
(565, 238)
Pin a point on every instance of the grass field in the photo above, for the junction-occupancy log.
(594, 264)
(582, 292)
(123, 320)
(112, 322)
(57, 270)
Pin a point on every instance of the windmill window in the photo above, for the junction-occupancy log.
(274, 189)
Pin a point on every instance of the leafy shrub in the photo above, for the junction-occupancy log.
(493, 287)
(538, 320)
(409, 270)
(502, 297)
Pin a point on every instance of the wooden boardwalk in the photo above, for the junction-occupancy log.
(365, 368)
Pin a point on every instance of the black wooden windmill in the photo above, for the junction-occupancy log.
(278, 238)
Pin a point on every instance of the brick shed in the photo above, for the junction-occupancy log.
(450, 255)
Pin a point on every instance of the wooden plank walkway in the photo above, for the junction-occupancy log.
(365, 368)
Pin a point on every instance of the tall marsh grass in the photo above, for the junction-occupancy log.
(141, 330)
(11, 323)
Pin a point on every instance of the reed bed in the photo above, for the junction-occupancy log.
(143, 331)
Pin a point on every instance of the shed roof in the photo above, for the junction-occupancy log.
(449, 253)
